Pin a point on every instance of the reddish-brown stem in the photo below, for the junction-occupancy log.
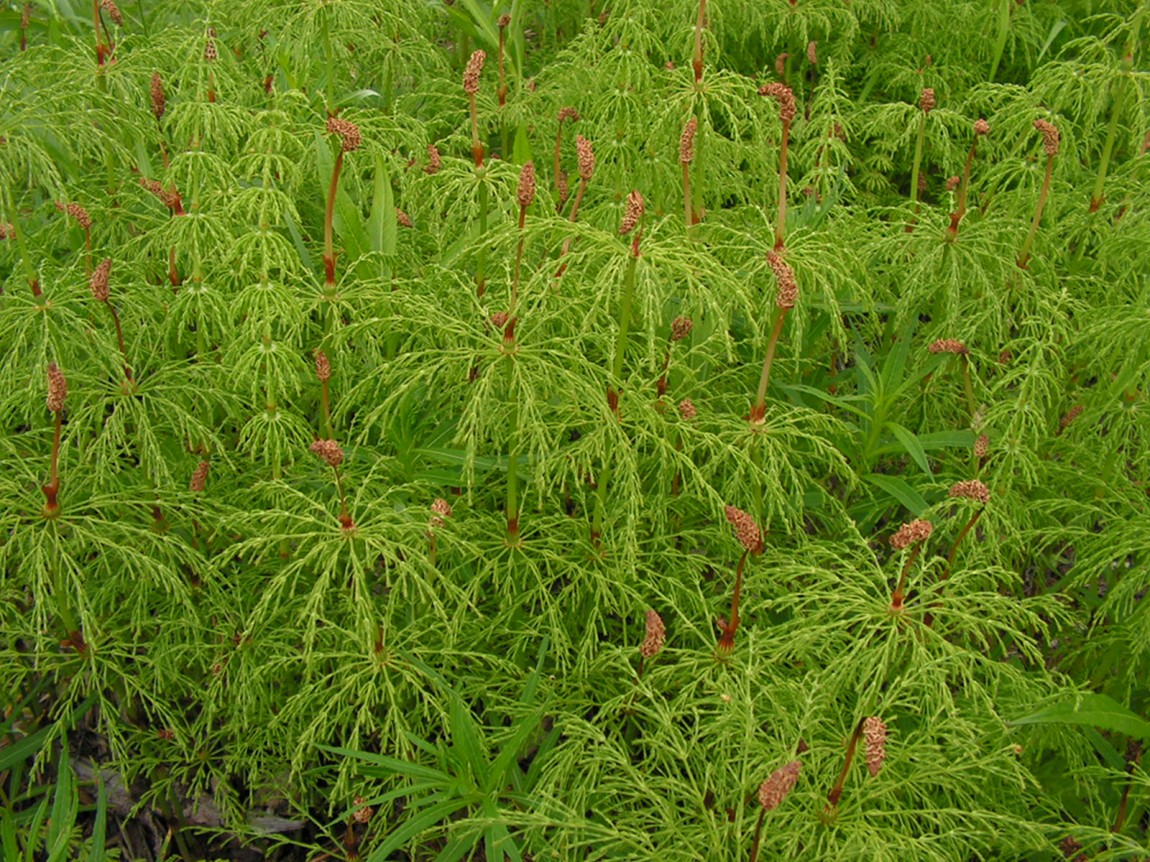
(211, 86)
(781, 223)
(759, 410)
(836, 792)
(324, 401)
(758, 835)
(98, 27)
(896, 599)
(1024, 255)
(518, 263)
(954, 548)
(328, 245)
(661, 386)
(173, 273)
(727, 638)
(688, 210)
(700, 21)
(476, 146)
(163, 148)
(1133, 756)
(502, 92)
(345, 520)
(558, 167)
(120, 338)
(52, 489)
(956, 216)
(928, 619)
(574, 213)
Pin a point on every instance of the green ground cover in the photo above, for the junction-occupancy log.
(588, 429)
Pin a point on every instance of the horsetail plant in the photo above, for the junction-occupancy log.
(954, 347)
(772, 793)
(323, 374)
(349, 141)
(204, 637)
(913, 535)
(471, 87)
(787, 110)
(1050, 140)
(926, 104)
(981, 128)
(525, 195)
(586, 162)
(655, 636)
(330, 452)
(440, 511)
(968, 489)
(680, 328)
(697, 59)
(873, 731)
(85, 222)
(566, 114)
(57, 393)
(785, 298)
(751, 538)
(686, 155)
(632, 222)
(99, 285)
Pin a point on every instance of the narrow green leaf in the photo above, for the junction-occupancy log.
(466, 737)
(297, 240)
(33, 832)
(894, 366)
(20, 751)
(7, 834)
(484, 21)
(390, 765)
(947, 440)
(65, 805)
(1055, 29)
(836, 400)
(99, 828)
(521, 149)
(509, 754)
(910, 443)
(901, 490)
(415, 826)
(382, 224)
(1092, 710)
(458, 847)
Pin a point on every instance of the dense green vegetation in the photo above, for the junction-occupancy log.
(593, 429)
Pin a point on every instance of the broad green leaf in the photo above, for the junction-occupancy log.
(1092, 710)
(901, 490)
